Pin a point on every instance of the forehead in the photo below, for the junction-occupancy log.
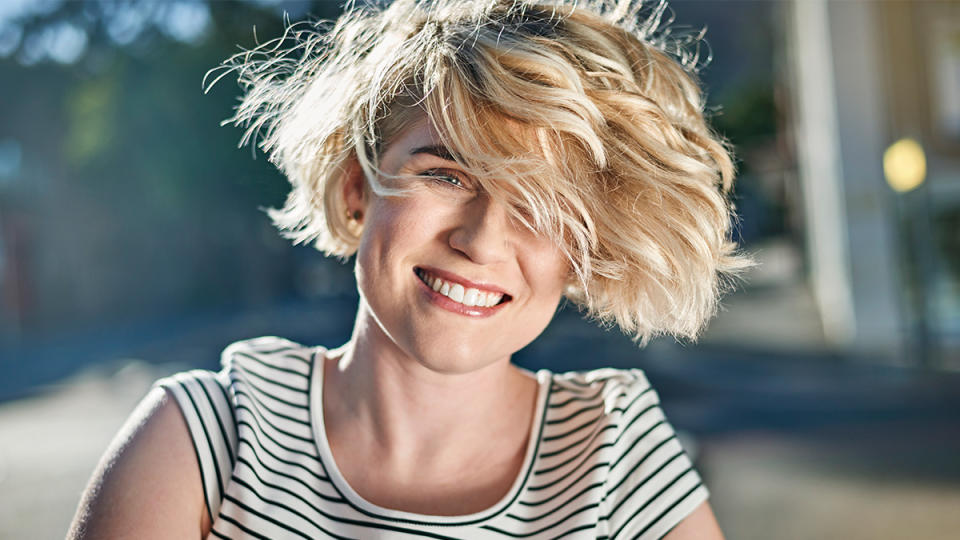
(421, 133)
(466, 144)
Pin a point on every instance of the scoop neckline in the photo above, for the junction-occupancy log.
(366, 507)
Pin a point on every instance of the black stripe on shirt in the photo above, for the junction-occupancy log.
(213, 454)
(216, 413)
(669, 508)
(648, 502)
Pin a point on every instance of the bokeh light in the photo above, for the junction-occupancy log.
(904, 165)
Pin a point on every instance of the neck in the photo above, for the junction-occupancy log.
(405, 413)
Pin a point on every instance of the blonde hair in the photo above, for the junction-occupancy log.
(608, 151)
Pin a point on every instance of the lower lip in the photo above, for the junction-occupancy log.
(442, 301)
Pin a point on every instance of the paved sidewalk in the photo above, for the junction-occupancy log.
(51, 442)
(793, 487)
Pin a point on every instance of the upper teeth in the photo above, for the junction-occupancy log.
(457, 292)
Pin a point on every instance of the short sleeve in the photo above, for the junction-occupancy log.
(652, 485)
(204, 399)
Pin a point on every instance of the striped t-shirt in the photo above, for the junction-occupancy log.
(601, 461)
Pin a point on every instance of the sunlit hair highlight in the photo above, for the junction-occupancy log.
(584, 118)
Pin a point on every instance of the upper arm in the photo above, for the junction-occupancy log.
(701, 524)
(148, 483)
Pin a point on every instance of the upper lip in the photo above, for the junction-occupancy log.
(467, 283)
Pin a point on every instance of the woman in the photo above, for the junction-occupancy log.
(483, 160)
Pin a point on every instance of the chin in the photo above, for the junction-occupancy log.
(458, 359)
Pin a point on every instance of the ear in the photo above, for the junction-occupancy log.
(355, 188)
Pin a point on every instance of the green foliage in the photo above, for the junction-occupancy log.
(91, 120)
(749, 113)
(140, 199)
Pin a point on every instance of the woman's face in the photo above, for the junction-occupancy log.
(447, 276)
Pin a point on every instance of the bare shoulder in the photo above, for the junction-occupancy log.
(701, 524)
(147, 484)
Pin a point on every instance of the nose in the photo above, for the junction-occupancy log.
(483, 233)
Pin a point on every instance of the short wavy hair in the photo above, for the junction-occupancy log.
(608, 152)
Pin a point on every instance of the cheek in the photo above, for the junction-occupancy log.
(397, 218)
(550, 269)
(548, 273)
(376, 249)
(386, 225)
(395, 232)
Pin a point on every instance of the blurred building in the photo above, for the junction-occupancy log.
(884, 258)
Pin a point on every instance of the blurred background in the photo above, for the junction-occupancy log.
(823, 402)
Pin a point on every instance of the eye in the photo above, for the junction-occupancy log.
(447, 178)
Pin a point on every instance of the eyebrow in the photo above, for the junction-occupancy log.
(440, 151)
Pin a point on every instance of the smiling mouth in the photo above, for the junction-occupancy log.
(468, 296)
